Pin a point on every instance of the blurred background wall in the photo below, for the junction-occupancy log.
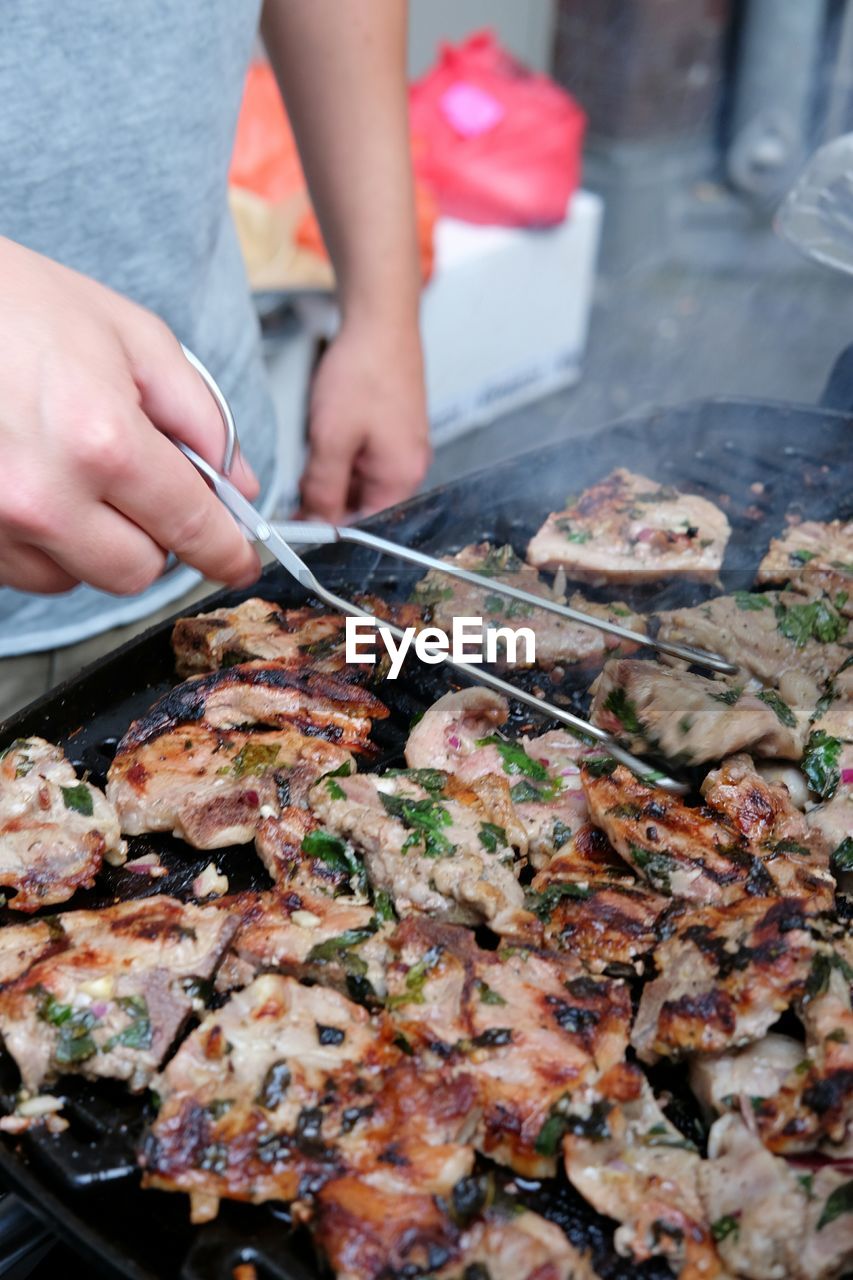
(524, 26)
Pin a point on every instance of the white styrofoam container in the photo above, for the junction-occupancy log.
(504, 318)
(506, 315)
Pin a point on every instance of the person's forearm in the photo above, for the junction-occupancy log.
(341, 65)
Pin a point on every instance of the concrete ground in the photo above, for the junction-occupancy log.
(669, 333)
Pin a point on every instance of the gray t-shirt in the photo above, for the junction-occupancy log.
(116, 129)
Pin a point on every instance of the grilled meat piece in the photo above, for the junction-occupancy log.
(259, 629)
(729, 1081)
(54, 829)
(104, 993)
(748, 839)
(688, 718)
(369, 1234)
(793, 854)
(625, 1157)
(428, 841)
(769, 1221)
(279, 1091)
(264, 693)
(542, 799)
(679, 851)
(559, 642)
(834, 712)
(810, 556)
(590, 904)
(530, 1026)
(814, 1105)
(724, 976)
(628, 528)
(785, 640)
(213, 787)
(828, 762)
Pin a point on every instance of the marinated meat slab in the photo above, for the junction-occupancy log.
(104, 993)
(305, 637)
(559, 642)
(811, 555)
(786, 641)
(725, 974)
(287, 1087)
(55, 830)
(631, 1163)
(813, 1107)
(748, 839)
(729, 1081)
(213, 787)
(833, 714)
(368, 1234)
(263, 693)
(690, 719)
(630, 529)
(430, 842)
(543, 801)
(765, 1215)
(590, 904)
(532, 1028)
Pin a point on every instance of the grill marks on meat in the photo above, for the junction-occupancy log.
(765, 1216)
(265, 693)
(724, 976)
(559, 642)
(213, 787)
(437, 848)
(189, 765)
(688, 718)
(531, 1027)
(632, 1164)
(54, 829)
(537, 789)
(813, 1108)
(748, 839)
(104, 993)
(628, 528)
(287, 1087)
(591, 905)
(368, 1234)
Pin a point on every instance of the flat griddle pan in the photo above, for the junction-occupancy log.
(760, 461)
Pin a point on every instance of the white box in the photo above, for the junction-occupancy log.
(506, 314)
(504, 318)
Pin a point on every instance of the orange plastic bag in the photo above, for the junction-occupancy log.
(497, 143)
(266, 163)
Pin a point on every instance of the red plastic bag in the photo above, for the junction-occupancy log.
(495, 142)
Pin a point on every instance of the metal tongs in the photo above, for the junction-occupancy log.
(273, 538)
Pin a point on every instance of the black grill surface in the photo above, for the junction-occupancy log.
(759, 461)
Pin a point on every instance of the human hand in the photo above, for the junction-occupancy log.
(92, 490)
(369, 435)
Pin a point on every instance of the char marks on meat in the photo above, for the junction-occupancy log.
(55, 830)
(630, 529)
(104, 993)
(531, 1027)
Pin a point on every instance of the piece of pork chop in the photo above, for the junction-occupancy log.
(690, 719)
(539, 777)
(286, 1087)
(531, 1027)
(630, 529)
(725, 974)
(631, 1163)
(432, 843)
(559, 641)
(104, 993)
(55, 830)
(812, 555)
